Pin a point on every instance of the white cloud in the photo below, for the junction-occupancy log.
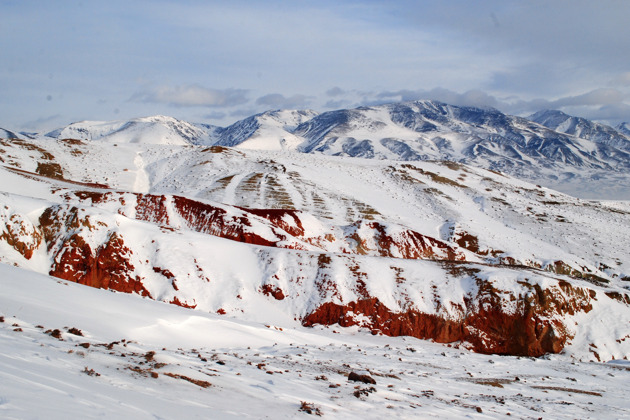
(191, 95)
(335, 91)
(600, 96)
(622, 79)
(276, 100)
(475, 97)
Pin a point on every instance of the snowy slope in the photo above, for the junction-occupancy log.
(441, 201)
(135, 358)
(624, 128)
(256, 281)
(271, 130)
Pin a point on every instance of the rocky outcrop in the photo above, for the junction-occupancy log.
(19, 233)
(492, 321)
(374, 238)
(284, 226)
(105, 265)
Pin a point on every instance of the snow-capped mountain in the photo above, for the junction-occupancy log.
(433, 130)
(271, 130)
(570, 154)
(7, 134)
(484, 138)
(583, 128)
(624, 128)
(150, 130)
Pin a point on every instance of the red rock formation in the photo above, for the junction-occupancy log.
(19, 233)
(176, 301)
(406, 244)
(212, 220)
(271, 290)
(280, 218)
(368, 238)
(107, 267)
(152, 208)
(533, 328)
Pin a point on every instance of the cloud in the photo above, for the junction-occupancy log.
(475, 97)
(277, 100)
(42, 123)
(191, 95)
(337, 104)
(245, 112)
(622, 79)
(215, 115)
(615, 113)
(600, 96)
(335, 91)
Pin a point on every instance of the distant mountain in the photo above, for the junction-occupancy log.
(7, 134)
(583, 128)
(150, 130)
(624, 128)
(571, 154)
(268, 130)
(433, 130)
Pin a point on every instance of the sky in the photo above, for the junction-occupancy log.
(216, 62)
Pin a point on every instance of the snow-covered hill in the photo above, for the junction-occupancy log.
(149, 130)
(271, 130)
(428, 249)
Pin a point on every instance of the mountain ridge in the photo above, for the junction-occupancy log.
(581, 157)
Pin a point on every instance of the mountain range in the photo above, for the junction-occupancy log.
(570, 154)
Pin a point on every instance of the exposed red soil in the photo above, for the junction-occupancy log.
(215, 221)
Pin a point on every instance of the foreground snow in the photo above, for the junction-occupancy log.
(211, 366)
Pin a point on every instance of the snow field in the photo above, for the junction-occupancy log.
(146, 359)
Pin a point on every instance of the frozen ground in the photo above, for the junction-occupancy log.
(140, 359)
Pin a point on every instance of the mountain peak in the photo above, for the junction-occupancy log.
(583, 128)
(624, 127)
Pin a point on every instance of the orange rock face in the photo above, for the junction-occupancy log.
(529, 322)
(176, 301)
(106, 268)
